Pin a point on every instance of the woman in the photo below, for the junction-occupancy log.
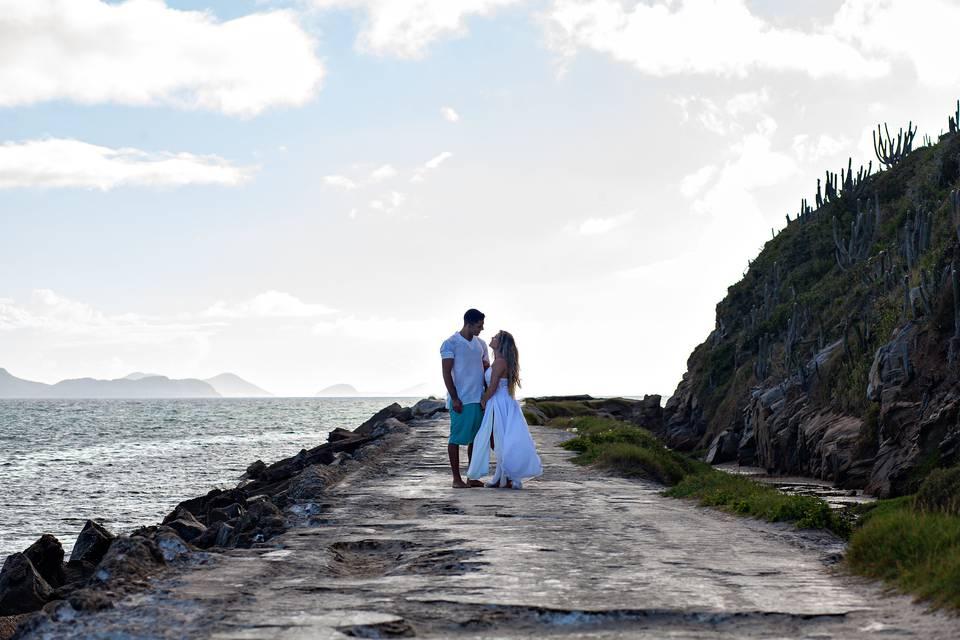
(503, 422)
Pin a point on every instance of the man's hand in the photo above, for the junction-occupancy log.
(457, 406)
(483, 404)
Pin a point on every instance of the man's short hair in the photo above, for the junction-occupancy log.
(472, 316)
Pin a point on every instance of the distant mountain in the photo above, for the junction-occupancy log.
(146, 387)
(138, 375)
(338, 390)
(421, 390)
(13, 387)
(230, 385)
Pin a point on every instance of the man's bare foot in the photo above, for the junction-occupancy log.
(460, 484)
(475, 483)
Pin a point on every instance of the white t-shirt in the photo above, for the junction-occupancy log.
(469, 357)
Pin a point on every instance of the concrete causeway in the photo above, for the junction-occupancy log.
(394, 551)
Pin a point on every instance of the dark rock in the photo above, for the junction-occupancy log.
(145, 532)
(171, 545)
(9, 625)
(22, 589)
(891, 363)
(255, 469)
(533, 414)
(376, 431)
(427, 407)
(76, 571)
(224, 533)
(683, 420)
(392, 411)
(340, 434)
(218, 534)
(310, 483)
(580, 398)
(128, 560)
(186, 526)
(223, 514)
(90, 600)
(723, 448)
(92, 543)
(46, 556)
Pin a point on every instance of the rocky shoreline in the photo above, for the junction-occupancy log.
(38, 584)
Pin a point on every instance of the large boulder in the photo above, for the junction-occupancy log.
(46, 555)
(723, 448)
(891, 364)
(186, 525)
(22, 589)
(91, 544)
(392, 411)
(129, 560)
(428, 407)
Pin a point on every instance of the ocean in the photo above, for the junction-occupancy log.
(127, 463)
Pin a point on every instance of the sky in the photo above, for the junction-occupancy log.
(312, 192)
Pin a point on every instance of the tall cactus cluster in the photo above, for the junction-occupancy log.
(862, 228)
(915, 239)
(890, 152)
(886, 266)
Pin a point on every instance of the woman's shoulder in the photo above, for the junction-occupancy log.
(499, 365)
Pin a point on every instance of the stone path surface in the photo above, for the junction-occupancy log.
(395, 552)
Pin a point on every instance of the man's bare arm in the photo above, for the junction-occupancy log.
(448, 383)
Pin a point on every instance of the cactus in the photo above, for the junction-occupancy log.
(862, 229)
(916, 237)
(761, 367)
(955, 201)
(889, 153)
(954, 120)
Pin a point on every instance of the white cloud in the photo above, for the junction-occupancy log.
(145, 53)
(917, 31)
(747, 103)
(65, 319)
(340, 182)
(389, 202)
(436, 161)
(72, 163)
(823, 146)
(449, 114)
(719, 37)
(754, 164)
(694, 183)
(270, 304)
(384, 172)
(419, 175)
(600, 226)
(407, 28)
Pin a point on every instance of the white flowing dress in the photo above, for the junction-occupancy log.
(516, 455)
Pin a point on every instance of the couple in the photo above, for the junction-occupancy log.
(484, 414)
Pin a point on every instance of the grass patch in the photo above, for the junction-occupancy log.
(911, 542)
(635, 452)
(916, 552)
(743, 496)
(561, 408)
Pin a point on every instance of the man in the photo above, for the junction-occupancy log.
(465, 359)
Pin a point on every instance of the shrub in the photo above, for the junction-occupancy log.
(940, 492)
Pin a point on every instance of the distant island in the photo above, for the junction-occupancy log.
(343, 390)
(134, 385)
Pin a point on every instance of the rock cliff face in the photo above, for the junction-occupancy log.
(838, 353)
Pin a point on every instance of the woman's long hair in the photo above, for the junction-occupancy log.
(508, 351)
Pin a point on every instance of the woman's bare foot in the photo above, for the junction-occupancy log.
(475, 483)
(460, 484)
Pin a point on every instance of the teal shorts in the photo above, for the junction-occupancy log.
(465, 425)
